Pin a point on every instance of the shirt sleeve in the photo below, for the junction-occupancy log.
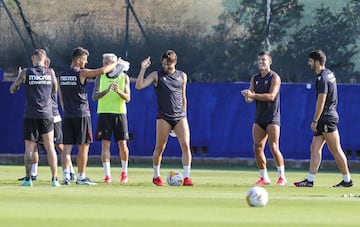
(321, 86)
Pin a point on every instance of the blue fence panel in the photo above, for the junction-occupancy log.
(219, 118)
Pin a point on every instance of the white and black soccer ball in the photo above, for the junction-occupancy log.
(257, 197)
(174, 178)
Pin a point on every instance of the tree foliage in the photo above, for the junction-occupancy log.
(335, 34)
(240, 35)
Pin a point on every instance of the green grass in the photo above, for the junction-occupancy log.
(217, 199)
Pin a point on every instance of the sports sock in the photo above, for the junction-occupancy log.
(124, 166)
(311, 177)
(264, 174)
(34, 168)
(107, 171)
(186, 171)
(281, 171)
(156, 171)
(66, 174)
(347, 177)
(81, 176)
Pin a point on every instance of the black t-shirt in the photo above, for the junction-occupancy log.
(74, 94)
(170, 95)
(326, 83)
(266, 112)
(39, 87)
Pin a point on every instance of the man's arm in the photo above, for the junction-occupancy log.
(320, 103)
(61, 100)
(20, 79)
(55, 83)
(90, 73)
(142, 82)
(97, 94)
(184, 93)
(247, 92)
(126, 93)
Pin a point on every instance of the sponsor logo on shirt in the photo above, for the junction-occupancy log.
(68, 80)
(40, 79)
(331, 77)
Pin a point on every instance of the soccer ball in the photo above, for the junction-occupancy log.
(257, 197)
(174, 178)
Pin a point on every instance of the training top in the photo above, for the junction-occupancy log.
(39, 86)
(111, 102)
(75, 96)
(326, 83)
(266, 111)
(170, 95)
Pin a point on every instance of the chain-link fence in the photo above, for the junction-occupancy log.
(216, 40)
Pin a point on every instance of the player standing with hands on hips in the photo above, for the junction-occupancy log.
(170, 86)
(265, 89)
(324, 124)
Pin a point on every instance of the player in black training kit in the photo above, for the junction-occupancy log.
(324, 124)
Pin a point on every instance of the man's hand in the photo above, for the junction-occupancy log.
(313, 126)
(248, 95)
(146, 63)
(115, 87)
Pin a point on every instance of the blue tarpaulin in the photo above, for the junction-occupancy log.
(219, 118)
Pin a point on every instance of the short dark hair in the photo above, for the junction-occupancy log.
(39, 52)
(169, 55)
(318, 55)
(79, 52)
(264, 53)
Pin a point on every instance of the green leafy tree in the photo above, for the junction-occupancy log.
(335, 33)
(240, 35)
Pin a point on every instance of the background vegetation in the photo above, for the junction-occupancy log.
(217, 40)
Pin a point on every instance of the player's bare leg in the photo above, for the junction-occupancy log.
(124, 158)
(259, 137)
(28, 160)
(48, 140)
(333, 142)
(82, 159)
(60, 147)
(316, 147)
(105, 158)
(273, 132)
(162, 133)
(182, 131)
(65, 161)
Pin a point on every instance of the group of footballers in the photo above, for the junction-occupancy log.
(265, 88)
(112, 91)
(42, 121)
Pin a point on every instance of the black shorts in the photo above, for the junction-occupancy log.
(325, 127)
(58, 134)
(77, 130)
(33, 128)
(172, 122)
(264, 126)
(109, 124)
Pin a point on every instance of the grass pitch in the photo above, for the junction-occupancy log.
(217, 199)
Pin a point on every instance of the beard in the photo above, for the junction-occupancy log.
(168, 70)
